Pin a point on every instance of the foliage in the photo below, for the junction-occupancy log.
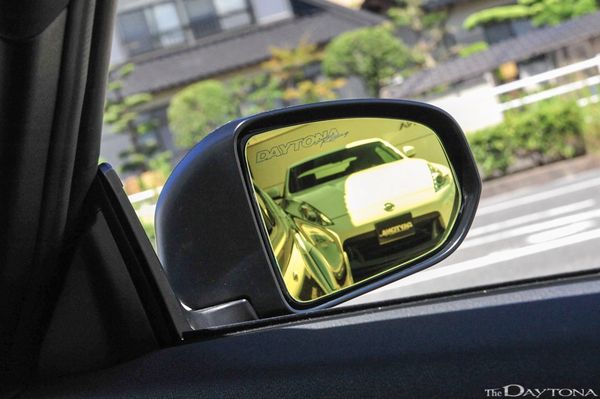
(121, 114)
(472, 48)
(199, 109)
(288, 67)
(540, 133)
(162, 164)
(541, 12)
(548, 130)
(591, 129)
(202, 107)
(313, 90)
(428, 27)
(553, 12)
(255, 93)
(496, 14)
(492, 149)
(373, 54)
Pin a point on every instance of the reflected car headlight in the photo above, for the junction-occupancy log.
(439, 178)
(312, 214)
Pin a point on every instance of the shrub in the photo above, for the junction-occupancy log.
(473, 48)
(199, 109)
(373, 54)
(548, 131)
(492, 149)
(540, 133)
(591, 128)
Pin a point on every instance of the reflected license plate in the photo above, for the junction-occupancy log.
(395, 229)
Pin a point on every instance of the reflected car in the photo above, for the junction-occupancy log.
(310, 257)
(383, 204)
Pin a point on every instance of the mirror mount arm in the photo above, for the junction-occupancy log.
(224, 314)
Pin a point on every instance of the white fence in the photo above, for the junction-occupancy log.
(533, 81)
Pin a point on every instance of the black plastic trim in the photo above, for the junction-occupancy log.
(164, 310)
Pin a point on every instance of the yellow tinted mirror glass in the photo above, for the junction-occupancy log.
(348, 199)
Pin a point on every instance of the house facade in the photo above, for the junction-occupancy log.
(467, 87)
(457, 12)
(174, 43)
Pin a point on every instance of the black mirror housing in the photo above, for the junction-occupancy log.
(209, 236)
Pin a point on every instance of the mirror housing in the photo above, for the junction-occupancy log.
(209, 236)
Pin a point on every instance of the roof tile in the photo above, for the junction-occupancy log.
(237, 51)
(521, 48)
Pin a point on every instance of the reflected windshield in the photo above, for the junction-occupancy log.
(338, 164)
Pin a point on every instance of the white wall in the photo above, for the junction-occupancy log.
(473, 104)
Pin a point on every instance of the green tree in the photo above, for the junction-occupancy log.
(202, 107)
(199, 109)
(541, 12)
(429, 29)
(255, 93)
(372, 54)
(121, 114)
(288, 67)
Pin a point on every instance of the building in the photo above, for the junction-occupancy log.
(457, 12)
(465, 87)
(175, 43)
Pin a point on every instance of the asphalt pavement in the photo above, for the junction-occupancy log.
(539, 230)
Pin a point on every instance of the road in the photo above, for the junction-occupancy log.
(534, 231)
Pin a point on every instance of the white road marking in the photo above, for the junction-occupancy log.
(560, 232)
(532, 217)
(532, 228)
(494, 258)
(528, 199)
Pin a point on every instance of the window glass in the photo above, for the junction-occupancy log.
(498, 31)
(166, 17)
(230, 6)
(151, 28)
(531, 223)
(135, 32)
(210, 16)
(168, 24)
(203, 17)
(200, 9)
(521, 26)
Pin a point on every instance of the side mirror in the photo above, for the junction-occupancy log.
(409, 151)
(356, 214)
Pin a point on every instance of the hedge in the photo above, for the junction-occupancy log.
(538, 134)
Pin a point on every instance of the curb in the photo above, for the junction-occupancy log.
(539, 175)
